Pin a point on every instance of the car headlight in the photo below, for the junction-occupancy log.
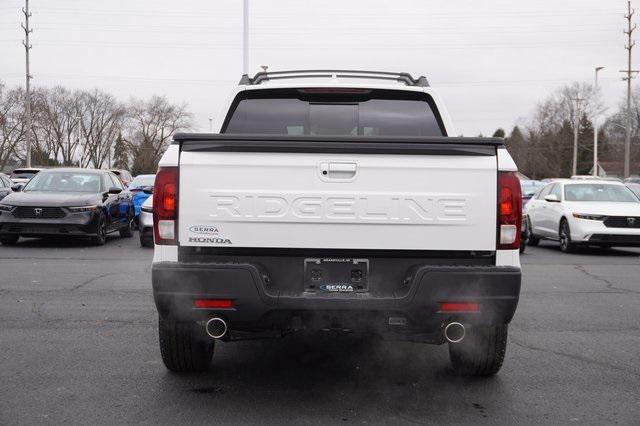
(5, 208)
(81, 209)
(588, 216)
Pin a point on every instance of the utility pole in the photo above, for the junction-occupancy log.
(630, 74)
(595, 126)
(27, 98)
(245, 37)
(210, 125)
(576, 124)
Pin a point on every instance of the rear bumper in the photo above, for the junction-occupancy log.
(411, 310)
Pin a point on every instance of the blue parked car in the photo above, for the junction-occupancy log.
(141, 188)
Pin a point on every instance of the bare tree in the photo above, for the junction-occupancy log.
(58, 121)
(102, 120)
(152, 124)
(547, 149)
(12, 124)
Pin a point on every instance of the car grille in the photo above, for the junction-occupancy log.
(24, 212)
(39, 229)
(622, 222)
(620, 239)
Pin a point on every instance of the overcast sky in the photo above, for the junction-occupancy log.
(491, 60)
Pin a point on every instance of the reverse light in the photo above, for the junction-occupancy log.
(588, 216)
(213, 303)
(459, 307)
(509, 211)
(165, 206)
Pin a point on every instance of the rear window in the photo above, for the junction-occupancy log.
(23, 174)
(332, 112)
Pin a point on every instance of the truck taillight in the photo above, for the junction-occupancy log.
(509, 211)
(165, 206)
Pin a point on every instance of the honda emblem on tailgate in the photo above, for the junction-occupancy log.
(38, 211)
(631, 221)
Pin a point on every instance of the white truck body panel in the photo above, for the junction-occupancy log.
(392, 202)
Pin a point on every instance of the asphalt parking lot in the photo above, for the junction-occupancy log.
(78, 344)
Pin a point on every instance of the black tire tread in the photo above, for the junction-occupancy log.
(126, 232)
(482, 351)
(182, 347)
(571, 247)
(146, 240)
(97, 240)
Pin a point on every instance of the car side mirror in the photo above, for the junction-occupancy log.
(17, 187)
(114, 190)
(552, 198)
(148, 190)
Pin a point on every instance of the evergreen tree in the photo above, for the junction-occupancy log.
(585, 146)
(120, 154)
(499, 133)
(143, 161)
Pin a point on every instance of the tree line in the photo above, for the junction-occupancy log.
(88, 128)
(542, 145)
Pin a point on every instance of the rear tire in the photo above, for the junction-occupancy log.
(481, 352)
(9, 240)
(184, 346)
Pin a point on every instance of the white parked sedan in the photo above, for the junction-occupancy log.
(580, 212)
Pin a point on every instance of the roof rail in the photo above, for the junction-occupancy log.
(402, 77)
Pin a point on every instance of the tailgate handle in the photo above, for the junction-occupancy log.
(338, 170)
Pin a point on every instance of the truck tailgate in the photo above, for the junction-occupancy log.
(337, 200)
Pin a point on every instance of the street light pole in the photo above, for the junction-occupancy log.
(595, 127)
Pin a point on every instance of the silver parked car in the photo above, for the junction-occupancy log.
(146, 223)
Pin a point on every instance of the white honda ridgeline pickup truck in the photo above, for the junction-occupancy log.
(336, 201)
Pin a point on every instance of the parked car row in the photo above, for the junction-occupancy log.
(71, 202)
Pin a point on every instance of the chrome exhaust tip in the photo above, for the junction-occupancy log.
(454, 332)
(216, 328)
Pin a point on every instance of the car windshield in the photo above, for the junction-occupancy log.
(142, 180)
(599, 192)
(64, 182)
(335, 112)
